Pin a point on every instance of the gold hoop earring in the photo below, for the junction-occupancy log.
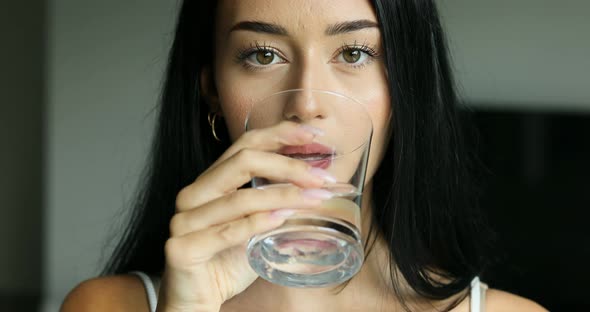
(211, 117)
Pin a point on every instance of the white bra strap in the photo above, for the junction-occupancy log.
(150, 291)
(478, 295)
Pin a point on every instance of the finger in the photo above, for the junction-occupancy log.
(199, 247)
(243, 203)
(241, 168)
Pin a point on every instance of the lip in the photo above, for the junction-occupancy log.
(320, 156)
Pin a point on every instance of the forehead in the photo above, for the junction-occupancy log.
(295, 15)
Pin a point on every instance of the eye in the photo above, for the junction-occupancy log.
(352, 56)
(262, 57)
(355, 55)
(259, 57)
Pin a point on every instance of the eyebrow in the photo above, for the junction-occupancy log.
(331, 30)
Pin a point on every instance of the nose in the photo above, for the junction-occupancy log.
(305, 105)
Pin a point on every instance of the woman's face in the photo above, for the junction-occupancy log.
(266, 46)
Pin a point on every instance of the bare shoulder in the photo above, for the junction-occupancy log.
(110, 293)
(497, 300)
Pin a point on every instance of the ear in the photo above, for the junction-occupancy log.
(208, 90)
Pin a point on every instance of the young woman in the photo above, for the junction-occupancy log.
(186, 237)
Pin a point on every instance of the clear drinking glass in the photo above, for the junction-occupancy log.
(317, 247)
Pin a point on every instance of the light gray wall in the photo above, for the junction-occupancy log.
(105, 61)
(524, 54)
(21, 97)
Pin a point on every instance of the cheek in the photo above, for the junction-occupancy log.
(234, 103)
(234, 106)
(236, 96)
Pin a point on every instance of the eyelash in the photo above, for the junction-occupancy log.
(244, 54)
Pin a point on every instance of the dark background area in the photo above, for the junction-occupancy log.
(22, 48)
(536, 198)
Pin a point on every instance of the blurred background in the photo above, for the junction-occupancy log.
(79, 80)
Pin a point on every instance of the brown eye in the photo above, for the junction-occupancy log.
(265, 57)
(260, 57)
(351, 56)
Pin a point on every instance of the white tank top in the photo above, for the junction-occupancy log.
(476, 298)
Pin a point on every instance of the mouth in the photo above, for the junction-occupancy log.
(317, 155)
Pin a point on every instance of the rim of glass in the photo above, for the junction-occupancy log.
(369, 134)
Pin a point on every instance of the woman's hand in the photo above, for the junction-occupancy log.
(206, 261)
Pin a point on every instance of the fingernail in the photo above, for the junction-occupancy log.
(312, 130)
(282, 213)
(317, 194)
(325, 175)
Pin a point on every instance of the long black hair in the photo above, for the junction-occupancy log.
(425, 204)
